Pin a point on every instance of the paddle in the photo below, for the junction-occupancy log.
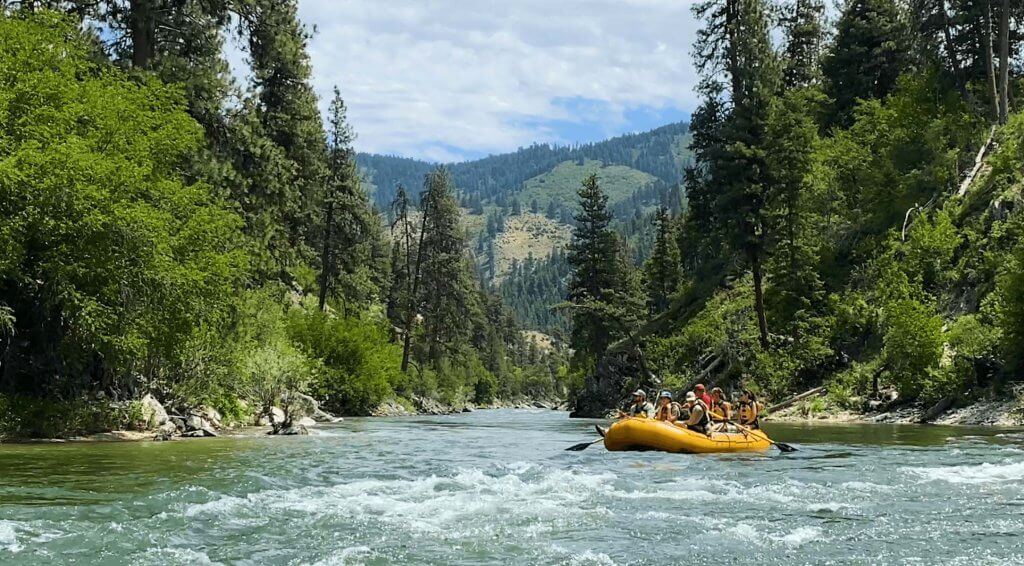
(782, 446)
(583, 445)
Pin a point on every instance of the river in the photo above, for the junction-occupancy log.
(497, 487)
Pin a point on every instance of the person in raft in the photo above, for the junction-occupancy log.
(640, 406)
(702, 394)
(749, 410)
(721, 410)
(668, 410)
(699, 418)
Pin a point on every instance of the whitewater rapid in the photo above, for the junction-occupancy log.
(497, 487)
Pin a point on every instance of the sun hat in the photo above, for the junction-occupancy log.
(690, 396)
(639, 392)
(665, 395)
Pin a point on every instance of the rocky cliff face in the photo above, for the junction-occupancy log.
(609, 385)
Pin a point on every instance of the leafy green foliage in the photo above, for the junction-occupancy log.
(913, 344)
(357, 367)
(108, 254)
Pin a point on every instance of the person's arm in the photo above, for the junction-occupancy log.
(650, 411)
(695, 415)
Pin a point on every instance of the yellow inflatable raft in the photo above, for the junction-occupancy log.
(649, 434)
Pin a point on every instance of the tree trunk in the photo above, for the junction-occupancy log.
(954, 61)
(762, 321)
(990, 72)
(141, 27)
(1004, 63)
(411, 317)
(326, 268)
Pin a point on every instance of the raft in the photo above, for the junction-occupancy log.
(647, 434)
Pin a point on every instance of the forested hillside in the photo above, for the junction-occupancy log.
(519, 207)
(838, 230)
(166, 231)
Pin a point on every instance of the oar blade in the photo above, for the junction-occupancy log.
(583, 445)
(785, 447)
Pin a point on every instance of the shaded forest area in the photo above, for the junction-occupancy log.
(166, 230)
(852, 214)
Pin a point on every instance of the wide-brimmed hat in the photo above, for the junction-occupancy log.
(665, 395)
(639, 393)
(690, 396)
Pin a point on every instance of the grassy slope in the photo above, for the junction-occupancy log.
(562, 182)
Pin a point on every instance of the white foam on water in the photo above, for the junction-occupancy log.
(9, 537)
(184, 556)
(347, 556)
(748, 533)
(449, 506)
(972, 473)
(801, 536)
(590, 558)
(865, 486)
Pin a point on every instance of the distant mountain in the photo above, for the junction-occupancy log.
(519, 206)
(660, 153)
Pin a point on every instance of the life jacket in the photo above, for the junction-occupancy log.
(665, 412)
(748, 414)
(719, 408)
(705, 418)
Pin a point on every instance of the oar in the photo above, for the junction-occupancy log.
(583, 445)
(782, 446)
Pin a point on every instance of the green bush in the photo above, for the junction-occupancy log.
(359, 367)
(23, 417)
(913, 345)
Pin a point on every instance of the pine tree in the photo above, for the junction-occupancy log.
(804, 36)
(661, 271)
(735, 52)
(287, 111)
(447, 298)
(350, 229)
(869, 53)
(598, 275)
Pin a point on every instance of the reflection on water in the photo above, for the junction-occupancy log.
(497, 487)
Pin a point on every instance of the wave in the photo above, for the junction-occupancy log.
(9, 537)
(450, 505)
(972, 473)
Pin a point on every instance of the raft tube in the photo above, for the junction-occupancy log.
(648, 434)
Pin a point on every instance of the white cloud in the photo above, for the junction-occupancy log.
(437, 79)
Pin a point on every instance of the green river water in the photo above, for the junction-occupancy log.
(497, 487)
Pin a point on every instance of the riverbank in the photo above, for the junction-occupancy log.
(1001, 411)
(147, 419)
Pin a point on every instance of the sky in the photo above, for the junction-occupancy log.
(450, 80)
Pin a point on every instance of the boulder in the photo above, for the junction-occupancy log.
(294, 430)
(210, 415)
(389, 409)
(195, 422)
(274, 416)
(304, 421)
(166, 431)
(302, 405)
(199, 433)
(178, 421)
(606, 387)
(153, 413)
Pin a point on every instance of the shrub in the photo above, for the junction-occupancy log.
(359, 367)
(913, 345)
